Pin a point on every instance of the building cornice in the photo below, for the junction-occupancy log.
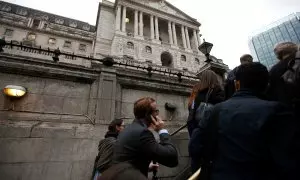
(49, 17)
(50, 32)
(42, 68)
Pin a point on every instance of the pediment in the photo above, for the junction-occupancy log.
(166, 7)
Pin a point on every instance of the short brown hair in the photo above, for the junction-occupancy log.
(142, 107)
(246, 58)
(285, 50)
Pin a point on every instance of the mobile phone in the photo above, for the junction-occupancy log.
(149, 118)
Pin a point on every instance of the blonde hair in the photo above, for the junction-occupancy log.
(285, 50)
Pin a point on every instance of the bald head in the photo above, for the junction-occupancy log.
(246, 58)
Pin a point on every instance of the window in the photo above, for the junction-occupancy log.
(52, 41)
(68, 44)
(8, 32)
(148, 49)
(82, 47)
(31, 36)
(45, 26)
(6, 8)
(197, 60)
(130, 45)
(36, 23)
(183, 58)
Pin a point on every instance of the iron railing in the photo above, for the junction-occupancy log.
(107, 60)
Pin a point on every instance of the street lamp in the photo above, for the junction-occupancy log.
(205, 48)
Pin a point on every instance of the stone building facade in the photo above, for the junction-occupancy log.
(53, 131)
(149, 31)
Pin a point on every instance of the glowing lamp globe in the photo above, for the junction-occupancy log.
(14, 91)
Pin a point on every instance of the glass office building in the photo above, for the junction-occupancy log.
(262, 42)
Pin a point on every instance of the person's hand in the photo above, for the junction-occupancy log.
(151, 127)
(153, 167)
(157, 123)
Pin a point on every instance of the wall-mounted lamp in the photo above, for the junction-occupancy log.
(170, 107)
(14, 91)
(56, 55)
(127, 20)
(2, 44)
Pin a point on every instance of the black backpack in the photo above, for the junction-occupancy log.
(292, 78)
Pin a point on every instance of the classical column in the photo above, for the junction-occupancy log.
(141, 24)
(195, 39)
(30, 22)
(136, 23)
(152, 26)
(118, 18)
(156, 29)
(174, 34)
(183, 36)
(170, 32)
(124, 19)
(187, 38)
(198, 37)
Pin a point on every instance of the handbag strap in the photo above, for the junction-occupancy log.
(210, 90)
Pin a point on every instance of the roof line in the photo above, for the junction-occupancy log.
(195, 20)
(4, 2)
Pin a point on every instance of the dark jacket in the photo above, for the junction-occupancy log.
(215, 97)
(105, 152)
(229, 83)
(256, 140)
(277, 90)
(137, 146)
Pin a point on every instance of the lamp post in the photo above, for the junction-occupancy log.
(205, 48)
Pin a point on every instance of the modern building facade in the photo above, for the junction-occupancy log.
(262, 42)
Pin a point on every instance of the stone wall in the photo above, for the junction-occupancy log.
(53, 131)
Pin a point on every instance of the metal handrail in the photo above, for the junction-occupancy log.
(154, 177)
(195, 175)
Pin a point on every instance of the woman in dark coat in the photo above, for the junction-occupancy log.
(208, 89)
(105, 148)
(204, 96)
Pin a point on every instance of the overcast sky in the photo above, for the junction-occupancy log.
(225, 23)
